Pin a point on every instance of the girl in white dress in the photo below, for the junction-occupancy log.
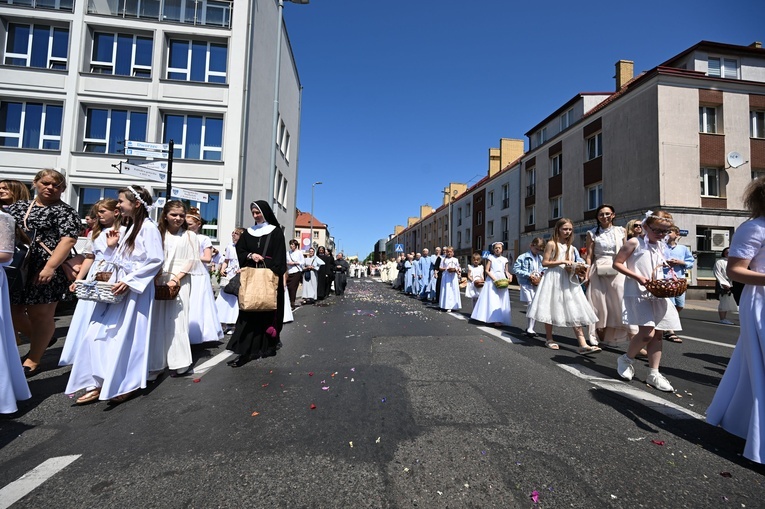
(227, 304)
(170, 344)
(475, 279)
(493, 304)
(738, 403)
(98, 256)
(204, 325)
(112, 360)
(642, 259)
(560, 300)
(450, 298)
(13, 383)
(605, 291)
(311, 271)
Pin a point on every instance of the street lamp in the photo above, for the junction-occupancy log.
(275, 124)
(313, 186)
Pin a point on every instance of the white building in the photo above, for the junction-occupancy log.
(79, 77)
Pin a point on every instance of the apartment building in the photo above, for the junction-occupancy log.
(311, 232)
(686, 136)
(80, 77)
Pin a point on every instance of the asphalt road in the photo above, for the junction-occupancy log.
(413, 408)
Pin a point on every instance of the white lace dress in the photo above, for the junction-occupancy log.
(560, 300)
(13, 384)
(493, 305)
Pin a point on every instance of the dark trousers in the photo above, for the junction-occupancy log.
(293, 281)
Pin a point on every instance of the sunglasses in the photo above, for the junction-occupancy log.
(658, 232)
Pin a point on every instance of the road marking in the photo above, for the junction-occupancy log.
(625, 389)
(708, 341)
(24, 485)
(497, 333)
(208, 365)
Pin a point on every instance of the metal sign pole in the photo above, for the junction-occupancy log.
(169, 171)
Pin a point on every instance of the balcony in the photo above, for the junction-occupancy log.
(212, 13)
(57, 5)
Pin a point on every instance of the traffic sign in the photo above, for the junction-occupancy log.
(399, 248)
(143, 172)
(152, 165)
(186, 194)
(144, 145)
(145, 153)
(485, 254)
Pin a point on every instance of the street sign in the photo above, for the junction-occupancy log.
(143, 172)
(485, 254)
(683, 233)
(152, 165)
(143, 145)
(399, 248)
(186, 194)
(145, 153)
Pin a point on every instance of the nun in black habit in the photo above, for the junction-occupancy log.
(257, 332)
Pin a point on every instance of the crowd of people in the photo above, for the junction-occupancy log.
(159, 298)
(145, 289)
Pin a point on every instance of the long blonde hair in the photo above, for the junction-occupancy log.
(109, 204)
(556, 236)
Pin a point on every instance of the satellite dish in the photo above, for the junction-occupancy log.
(735, 160)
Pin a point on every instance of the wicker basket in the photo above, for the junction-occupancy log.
(162, 290)
(501, 283)
(535, 278)
(664, 288)
(98, 291)
(478, 283)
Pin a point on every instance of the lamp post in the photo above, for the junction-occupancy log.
(313, 186)
(275, 123)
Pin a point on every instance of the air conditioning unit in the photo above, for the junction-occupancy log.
(719, 239)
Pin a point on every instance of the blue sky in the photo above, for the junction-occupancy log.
(402, 97)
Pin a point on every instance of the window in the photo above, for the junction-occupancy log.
(505, 196)
(316, 234)
(467, 210)
(89, 196)
(722, 67)
(280, 189)
(42, 4)
(490, 228)
(198, 12)
(197, 61)
(531, 182)
(490, 199)
(594, 196)
(459, 240)
(479, 242)
(297, 234)
(195, 136)
(541, 136)
(757, 174)
(40, 46)
(503, 226)
(30, 125)
(710, 182)
(121, 55)
(467, 236)
(106, 130)
(283, 140)
(595, 146)
(459, 216)
(556, 211)
(707, 119)
(567, 119)
(556, 164)
(531, 215)
(758, 124)
(479, 218)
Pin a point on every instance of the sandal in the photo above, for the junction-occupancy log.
(116, 400)
(88, 397)
(585, 350)
(672, 338)
(552, 345)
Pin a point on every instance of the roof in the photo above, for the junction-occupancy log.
(718, 47)
(303, 220)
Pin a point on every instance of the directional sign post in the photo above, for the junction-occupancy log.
(143, 172)
(149, 150)
(187, 194)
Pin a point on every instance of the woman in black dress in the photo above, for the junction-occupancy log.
(257, 332)
(325, 273)
(57, 226)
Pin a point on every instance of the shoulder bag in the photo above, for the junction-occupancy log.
(258, 287)
(70, 266)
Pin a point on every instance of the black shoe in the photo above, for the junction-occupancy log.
(239, 361)
(29, 372)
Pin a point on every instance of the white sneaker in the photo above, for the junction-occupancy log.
(624, 367)
(726, 322)
(657, 381)
(593, 341)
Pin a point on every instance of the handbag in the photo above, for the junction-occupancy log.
(604, 267)
(162, 290)
(99, 291)
(258, 290)
(70, 266)
(18, 270)
(307, 275)
(232, 286)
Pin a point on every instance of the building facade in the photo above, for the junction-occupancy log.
(80, 77)
(310, 232)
